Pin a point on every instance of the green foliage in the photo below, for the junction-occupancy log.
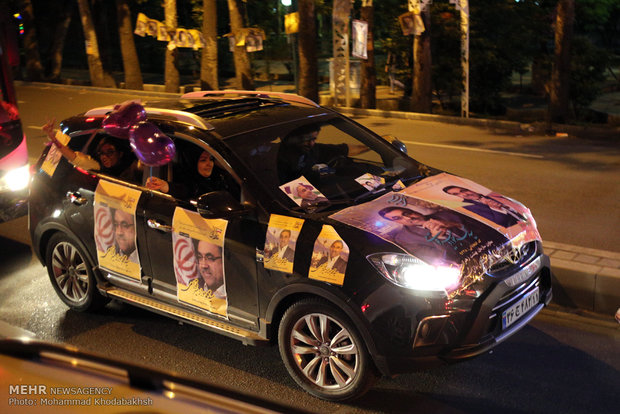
(447, 74)
(503, 40)
(588, 63)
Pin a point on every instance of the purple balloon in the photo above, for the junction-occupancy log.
(118, 122)
(151, 146)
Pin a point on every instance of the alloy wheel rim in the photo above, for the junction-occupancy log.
(70, 272)
(324, 351)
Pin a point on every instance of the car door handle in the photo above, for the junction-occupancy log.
(154, 224)
(76, 198)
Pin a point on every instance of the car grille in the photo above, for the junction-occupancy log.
(514, 260)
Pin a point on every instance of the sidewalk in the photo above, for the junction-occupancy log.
(585, 278)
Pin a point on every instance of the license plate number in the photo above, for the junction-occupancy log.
(516, 311)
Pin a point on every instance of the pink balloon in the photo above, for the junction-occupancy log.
(151, 146)
(118, 122)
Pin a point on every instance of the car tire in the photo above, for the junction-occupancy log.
(323, 351)
(71, 274)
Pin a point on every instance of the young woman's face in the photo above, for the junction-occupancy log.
(205, 164)
(109, 155)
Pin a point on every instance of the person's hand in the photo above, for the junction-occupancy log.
(154, 183)
(48, 128)
(357, 149)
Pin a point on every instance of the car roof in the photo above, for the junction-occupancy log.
(224, 114)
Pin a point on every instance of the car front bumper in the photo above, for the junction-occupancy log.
(450, 331)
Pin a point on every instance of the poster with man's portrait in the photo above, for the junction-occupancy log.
(197, 38)
(141, 23)
(281, 242)
(434, 233)
(370, 182)
(162, 33)
(183, 39)
(115, 229)
(152, 27)
(303, 193)
(330, 257)
(360, 39)
(198, 256)
(507, 216)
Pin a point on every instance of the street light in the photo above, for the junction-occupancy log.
(286, 2)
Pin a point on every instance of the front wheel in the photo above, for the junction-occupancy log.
(323, 351)
(71, 274)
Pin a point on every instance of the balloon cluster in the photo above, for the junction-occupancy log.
(128, 121)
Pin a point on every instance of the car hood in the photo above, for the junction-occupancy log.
(457, 223)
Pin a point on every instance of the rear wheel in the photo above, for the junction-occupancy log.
(71, 274)
(323, 351)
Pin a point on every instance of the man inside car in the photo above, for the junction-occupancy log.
(299, 152)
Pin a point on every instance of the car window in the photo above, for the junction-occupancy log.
(196, 170)
(342, 164)
(115, 157)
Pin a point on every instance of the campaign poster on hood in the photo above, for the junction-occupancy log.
(115, 228)
(330, 257)
(281, 241)
(428, 231)
(198, 255)
(507, 216)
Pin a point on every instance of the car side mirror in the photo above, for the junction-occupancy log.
(396, 143)
(220, 204)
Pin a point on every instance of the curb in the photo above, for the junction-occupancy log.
(585, 278)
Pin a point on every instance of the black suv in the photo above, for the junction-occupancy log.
(312, 232)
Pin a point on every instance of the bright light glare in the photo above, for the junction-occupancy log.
(285, 2)
(16, 179)
(425, 277)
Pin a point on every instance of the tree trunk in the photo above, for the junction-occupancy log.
(308, 67)
(95, 67)
(560, 72)
(131, 63)
(34, 68)
(58, 44)
(173, 79)
(243, 72)
(208, 63)
(368, 85)
(421, 96)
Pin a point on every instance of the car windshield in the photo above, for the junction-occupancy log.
(325, 164)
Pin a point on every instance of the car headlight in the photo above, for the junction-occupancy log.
(15, 179)
(412, 273)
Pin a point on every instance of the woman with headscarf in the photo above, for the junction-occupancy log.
(205, 177)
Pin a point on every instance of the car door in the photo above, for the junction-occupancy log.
(172, 227)
(79, 204)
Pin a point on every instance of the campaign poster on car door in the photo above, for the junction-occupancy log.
(115, 228)
(198, 254)
(281, 241)
(329, 257)
(507, 216)
(54, 155)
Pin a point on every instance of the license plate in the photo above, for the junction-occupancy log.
(513, 313)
